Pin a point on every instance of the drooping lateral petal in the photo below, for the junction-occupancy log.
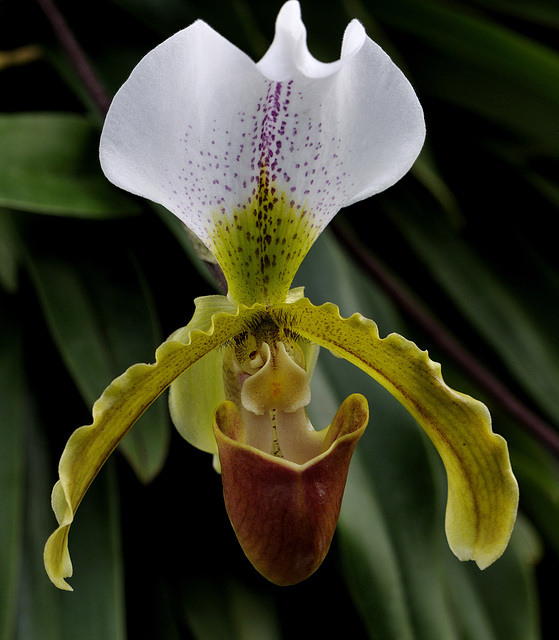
(121, 404)
(482, 491)
(257, 158)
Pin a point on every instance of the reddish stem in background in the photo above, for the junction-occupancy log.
(454, 350)
(76, 55)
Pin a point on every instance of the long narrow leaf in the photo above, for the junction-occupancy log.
(46, 166)
(11, 468)
(102, 324)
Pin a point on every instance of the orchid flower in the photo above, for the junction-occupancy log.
(256, 159)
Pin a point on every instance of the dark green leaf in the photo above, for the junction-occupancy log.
(230, 611)
(49, 165)
(102, 321)
(9, 253)
(11, 467)
(96, 609)
(482, 66)
(504, 314)
(484, 608)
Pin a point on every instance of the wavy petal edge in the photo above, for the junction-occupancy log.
(482, 490)
(114, 413)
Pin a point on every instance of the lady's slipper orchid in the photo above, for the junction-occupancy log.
(256, 159)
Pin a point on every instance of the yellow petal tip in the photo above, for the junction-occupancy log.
(57, 558)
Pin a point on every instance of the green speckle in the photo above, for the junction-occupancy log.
(262, 229)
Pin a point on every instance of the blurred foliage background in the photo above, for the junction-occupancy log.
(460, 256)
